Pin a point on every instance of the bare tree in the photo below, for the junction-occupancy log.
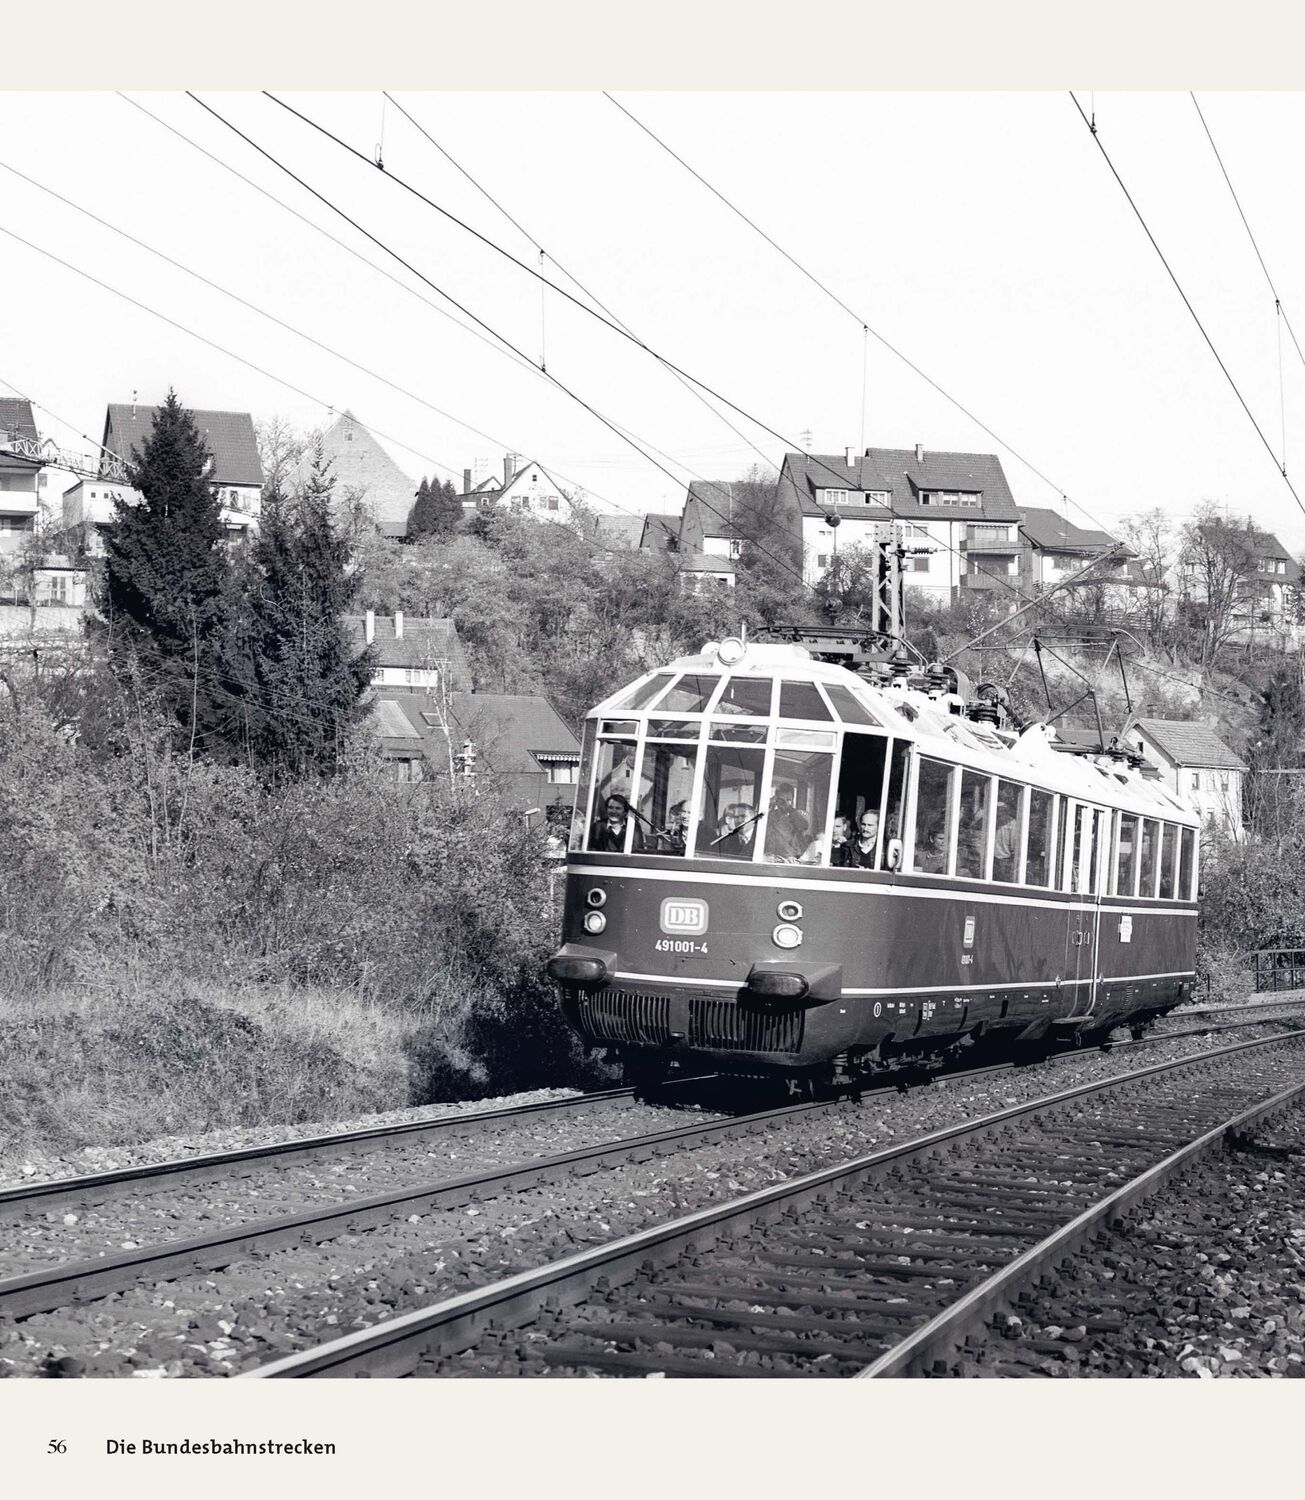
(1220, 567)
(1151, 537)
(281, 446)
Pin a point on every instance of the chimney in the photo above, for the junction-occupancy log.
(509, 468)
(466, 481)
(369, 626)
(849, 456)
(919, 453)
(133, 403)
(398, 624)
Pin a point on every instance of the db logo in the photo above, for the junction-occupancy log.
(682, 914)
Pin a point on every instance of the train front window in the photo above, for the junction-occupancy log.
(614, 826)
(794, 829)
(580, 816)
(860, 790)
(665, 793)
(730, 810)
(643, 693)
(748, 696)
(802, 700)
(689, 695)
(847, 707)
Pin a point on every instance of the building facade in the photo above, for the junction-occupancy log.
(1196, 763)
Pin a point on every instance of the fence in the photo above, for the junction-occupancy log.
(1279, 969)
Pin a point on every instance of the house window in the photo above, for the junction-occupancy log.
(736, 547)
(59, 589)
(951, 497)
(552, 502)
(822, 561)
(348, 434)
(1196, 781)
(920, 564)
(534, 479)
(562, 773)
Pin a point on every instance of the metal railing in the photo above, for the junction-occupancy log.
(1279, 969)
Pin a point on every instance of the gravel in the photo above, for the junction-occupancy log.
(1205, 1281)
(260, 1308)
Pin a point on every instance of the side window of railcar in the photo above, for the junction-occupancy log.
(1169, 861)
(1080, 872)
(972, 825)
(860, 793)
(1146, 881)
(894, 820)
(1126, 852)
(730, 812)
(794, 829)
(1006, 840)
(1064, 841)
(933, 798)
(1038, 866)
(1186, 864)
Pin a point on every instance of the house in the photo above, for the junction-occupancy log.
(617, 533)
(515, 740)
(235, 472)
(698, 572)
(20, 470)
(661, 532)
(1267, 606)
(715, 520)
(527, 487)
(953, 510)
(1053, 549)
(366, 477)
(1197, 764)
(424, 654)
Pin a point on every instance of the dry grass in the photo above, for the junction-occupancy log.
(130, 1062)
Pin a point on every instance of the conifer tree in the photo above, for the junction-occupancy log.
(421, 518)
(307, 683)
(446, 508)
(167, 571)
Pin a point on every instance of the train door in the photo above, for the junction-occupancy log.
(1085, 837)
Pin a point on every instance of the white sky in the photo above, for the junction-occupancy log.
(982, 234)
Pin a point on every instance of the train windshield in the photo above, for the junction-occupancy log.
(744, 768)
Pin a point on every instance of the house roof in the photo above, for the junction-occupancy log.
(16, 419)
(424, 643)
(715, 501)
(705, 562)
(362, 471)
(1052, 532)
(229, 436)
(904, 476)
(1189, 744)
(661, 530)
(507, 729)
(618, 531)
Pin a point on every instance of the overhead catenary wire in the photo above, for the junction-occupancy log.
(570, 275)
(1259, 432)
(851, 312)
(484, 239)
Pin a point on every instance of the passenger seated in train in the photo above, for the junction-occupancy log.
(787, 835)
(931, 847)
(608, 832)
(672, 838)
(839, 844)
(862, 849)
(737, 832)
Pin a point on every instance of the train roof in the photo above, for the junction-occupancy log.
(907, 713)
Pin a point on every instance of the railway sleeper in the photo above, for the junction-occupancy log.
(882, 1270)
(817, 1301)
(756, 1343)
(725, 1317)
(573, 1356)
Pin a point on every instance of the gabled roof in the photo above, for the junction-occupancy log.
(229, 436)
(1049, 531)
(508, 730)
(16, 419)
(715, 501)
(362, 470)
(904, 477)
(424, 643)
(618, 531)
(1189, 744)
(705, 562)
(661, 531)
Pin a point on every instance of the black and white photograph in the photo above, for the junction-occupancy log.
(649, 734)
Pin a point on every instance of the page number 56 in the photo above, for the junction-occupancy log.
(56, 1445)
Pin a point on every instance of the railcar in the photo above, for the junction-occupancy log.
(1003, 887)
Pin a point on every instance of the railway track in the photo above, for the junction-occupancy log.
(869, 1267)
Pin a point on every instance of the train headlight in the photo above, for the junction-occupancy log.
(594, 922)
(789, 911)
(731, 650)
(786, 935)
(596, 897)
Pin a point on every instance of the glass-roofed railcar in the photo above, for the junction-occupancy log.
(776, 865)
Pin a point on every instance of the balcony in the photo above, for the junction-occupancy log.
(989, 546)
